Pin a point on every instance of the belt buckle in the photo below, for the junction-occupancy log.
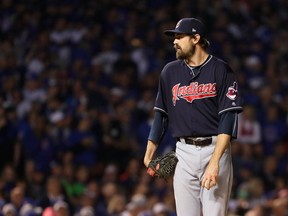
(194, 142)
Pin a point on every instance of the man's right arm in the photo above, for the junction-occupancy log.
(157, 132)
(150, 151)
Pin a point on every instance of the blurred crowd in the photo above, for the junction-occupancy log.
(78, 80)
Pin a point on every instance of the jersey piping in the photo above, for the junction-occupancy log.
(161, 110)
(230, 109)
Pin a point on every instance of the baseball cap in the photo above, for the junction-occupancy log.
(189, 26)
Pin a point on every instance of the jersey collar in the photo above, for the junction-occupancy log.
(196, 70)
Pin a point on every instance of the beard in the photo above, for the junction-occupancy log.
(180, 54)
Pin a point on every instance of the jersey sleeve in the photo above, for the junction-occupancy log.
(158, 128)
(228, 123)
(229, 98)
(160, 103)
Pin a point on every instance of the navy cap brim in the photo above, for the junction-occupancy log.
(173, 32)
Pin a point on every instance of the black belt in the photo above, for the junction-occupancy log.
(205, 141)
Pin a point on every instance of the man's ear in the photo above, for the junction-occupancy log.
(195, 38)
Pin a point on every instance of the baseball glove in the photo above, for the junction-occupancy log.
(163, 166)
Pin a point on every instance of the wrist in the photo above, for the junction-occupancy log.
(146, 161)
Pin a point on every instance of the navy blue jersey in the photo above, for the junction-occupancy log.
(194, 99)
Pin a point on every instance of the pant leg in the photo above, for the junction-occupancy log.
(215, 201)
(186, 182)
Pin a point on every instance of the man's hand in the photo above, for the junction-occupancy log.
(210, 176)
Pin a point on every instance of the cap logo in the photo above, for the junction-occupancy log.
(178, 24)
(193, 30)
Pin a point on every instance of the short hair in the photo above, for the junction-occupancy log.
(204, 43)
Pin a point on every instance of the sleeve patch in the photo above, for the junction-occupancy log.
(232, 91)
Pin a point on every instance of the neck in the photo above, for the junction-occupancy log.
(198, 58)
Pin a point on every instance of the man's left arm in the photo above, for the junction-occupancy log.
(226, 131)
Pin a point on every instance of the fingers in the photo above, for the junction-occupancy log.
(153, 171)
(208, 183)
(150, 171)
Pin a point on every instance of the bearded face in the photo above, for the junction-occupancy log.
(184, 50)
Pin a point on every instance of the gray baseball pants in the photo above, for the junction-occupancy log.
(191, 199)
